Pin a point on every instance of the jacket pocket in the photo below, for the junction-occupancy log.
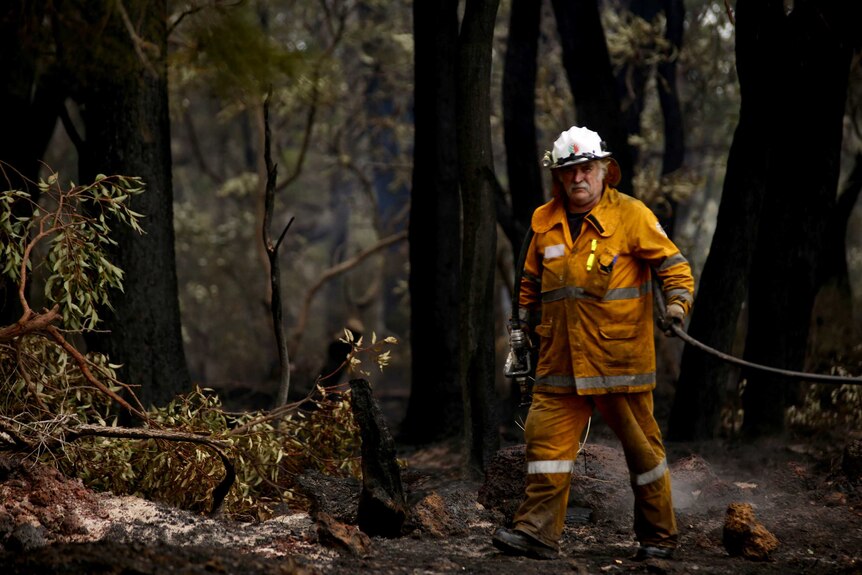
(621, 349)
(619, 331)
(599, 277)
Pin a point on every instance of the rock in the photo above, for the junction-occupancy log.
(8, 465)
(434, 518)
(744, 535)
(332, 533)
(834, 499)
(27, 537)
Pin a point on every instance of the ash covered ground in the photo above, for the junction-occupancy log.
(798, 491)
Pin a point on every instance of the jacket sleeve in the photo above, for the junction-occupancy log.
(530, 298)
(659, 252)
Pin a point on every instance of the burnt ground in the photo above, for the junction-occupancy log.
(50, 524)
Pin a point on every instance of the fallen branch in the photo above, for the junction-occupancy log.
(20, 443)
(32, 323)
(219, 492)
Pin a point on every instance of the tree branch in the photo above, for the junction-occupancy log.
(315, 93)
(198, 8)
(21, 443)
(139, 43)
(332, 272)
(30, 322)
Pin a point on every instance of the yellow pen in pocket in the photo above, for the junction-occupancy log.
(592, 257)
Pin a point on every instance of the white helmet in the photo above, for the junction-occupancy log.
(575, 146)
(579, 145)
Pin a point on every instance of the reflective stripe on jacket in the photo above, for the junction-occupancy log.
(596, 294)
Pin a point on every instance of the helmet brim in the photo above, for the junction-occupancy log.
(574, 160)
(613, 176)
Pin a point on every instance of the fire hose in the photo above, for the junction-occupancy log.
(680, 332)
(518, 366)
(811, 377)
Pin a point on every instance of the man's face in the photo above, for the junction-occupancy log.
(583, 185)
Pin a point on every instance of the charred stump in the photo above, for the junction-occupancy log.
(382, 506)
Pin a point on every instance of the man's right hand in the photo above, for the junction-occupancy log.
(673, 315)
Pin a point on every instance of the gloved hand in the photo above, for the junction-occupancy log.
(674, 314)
(518, 360)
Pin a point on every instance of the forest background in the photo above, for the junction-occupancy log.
(739, 125)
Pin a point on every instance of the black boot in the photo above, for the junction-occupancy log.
(514, 542)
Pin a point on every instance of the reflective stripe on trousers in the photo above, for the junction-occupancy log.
(652, 475)
(565, 466)
(554, 427)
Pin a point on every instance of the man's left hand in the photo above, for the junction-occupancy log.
(674, 315)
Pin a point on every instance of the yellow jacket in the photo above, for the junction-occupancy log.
(595, 294)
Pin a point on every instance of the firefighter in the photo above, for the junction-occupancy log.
(588, 276)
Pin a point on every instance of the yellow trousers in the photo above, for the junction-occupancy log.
(555, 424)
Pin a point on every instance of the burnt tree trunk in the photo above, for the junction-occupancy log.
(519, 116)
(479, 230)
(435, 409)
(382, 506)
(772, 223)
(31, 95)
(674, 140)
(124, 102)
(834, 325)
(814, 69)
(519, 131)
(632, 79)
(703, 380)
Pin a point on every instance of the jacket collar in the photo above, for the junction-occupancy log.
(604, 217)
